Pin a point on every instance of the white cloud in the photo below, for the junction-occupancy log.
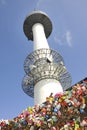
(58, 40)
(68, 38)
(65, 39)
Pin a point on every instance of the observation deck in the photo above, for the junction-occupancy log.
(37, 17)
(44, 64)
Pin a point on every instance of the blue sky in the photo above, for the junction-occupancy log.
(69, 37)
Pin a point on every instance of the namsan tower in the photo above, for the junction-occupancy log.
(44, 67)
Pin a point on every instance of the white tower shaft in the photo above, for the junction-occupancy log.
(44, 88)
(39, 37)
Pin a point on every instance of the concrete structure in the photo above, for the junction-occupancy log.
(44, 67)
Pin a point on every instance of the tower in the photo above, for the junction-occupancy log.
(44, 67)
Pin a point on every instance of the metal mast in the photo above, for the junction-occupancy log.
(44, 67)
